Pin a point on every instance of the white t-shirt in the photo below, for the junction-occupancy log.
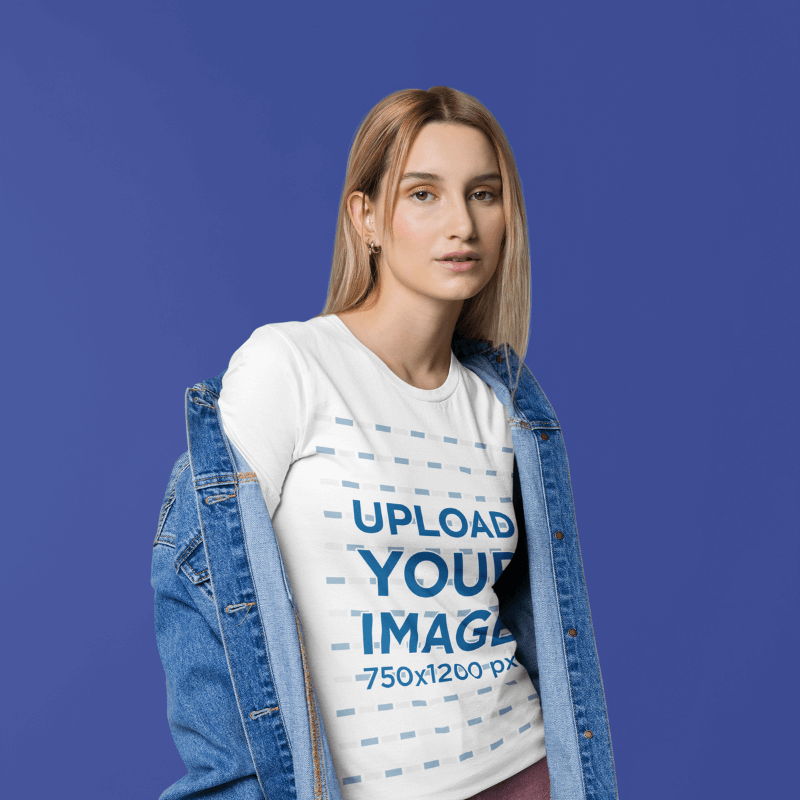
(392, 509)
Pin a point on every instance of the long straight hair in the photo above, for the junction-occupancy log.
(500, 312)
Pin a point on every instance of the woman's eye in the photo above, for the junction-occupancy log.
(487, 198)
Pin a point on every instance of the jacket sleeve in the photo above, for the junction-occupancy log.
(201, 704)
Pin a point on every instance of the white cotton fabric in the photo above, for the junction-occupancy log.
(392, 509)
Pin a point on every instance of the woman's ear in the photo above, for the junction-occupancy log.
(362, 215)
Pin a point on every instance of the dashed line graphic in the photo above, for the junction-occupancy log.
(412, 490)
(378, 458)
(460, 696)
(409, 433)
(441, 762)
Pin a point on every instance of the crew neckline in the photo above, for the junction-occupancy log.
(429, 395)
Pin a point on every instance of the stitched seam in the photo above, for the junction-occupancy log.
(190, 548)
(195, 577)
(170, 500)
(591, 624)
(529, 426)
(225, 647)
(238, 700)
(165, 511)
(322, 767)
(569, 678)
(264, 639)
(165, 542)
(312, 714)
(315, 745)
(226, 479)
(558, 598)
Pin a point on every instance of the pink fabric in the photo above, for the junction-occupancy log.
(533, 783)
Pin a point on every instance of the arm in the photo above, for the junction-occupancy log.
(263, 408)
(201, 705)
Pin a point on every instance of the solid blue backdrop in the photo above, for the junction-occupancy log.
(171, 173)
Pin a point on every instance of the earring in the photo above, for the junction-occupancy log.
(374, 249)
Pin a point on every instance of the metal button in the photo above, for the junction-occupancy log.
(588, 734)
(572, 632)
(544, 436)
(559, 534)
(499, 359)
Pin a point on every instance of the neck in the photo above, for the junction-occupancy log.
(412, 335)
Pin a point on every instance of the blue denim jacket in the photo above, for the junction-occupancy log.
(240, 699)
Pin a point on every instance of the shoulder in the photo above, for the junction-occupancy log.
(267, 352)
(274, 366)
(285, 339)
(276, 337)
(296, 347)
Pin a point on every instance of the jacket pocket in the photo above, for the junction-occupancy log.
(192, 562)
(162, 537)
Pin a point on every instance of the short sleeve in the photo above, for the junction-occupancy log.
(262, 407)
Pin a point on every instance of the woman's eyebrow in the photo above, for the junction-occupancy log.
(429, 176)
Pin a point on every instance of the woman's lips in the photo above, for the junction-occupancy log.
(457, 266)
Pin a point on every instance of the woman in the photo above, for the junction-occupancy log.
(375, 507)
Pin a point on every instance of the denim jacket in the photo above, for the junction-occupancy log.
(240, 699)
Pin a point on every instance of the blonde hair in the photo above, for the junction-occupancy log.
(500, 312)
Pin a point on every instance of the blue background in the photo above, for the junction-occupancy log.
(170, 175)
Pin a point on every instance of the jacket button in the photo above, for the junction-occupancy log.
(572, 632)
(559, 534)
(544, 436)
(499, 359)
(588, 734)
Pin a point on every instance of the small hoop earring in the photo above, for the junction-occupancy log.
(374, 249)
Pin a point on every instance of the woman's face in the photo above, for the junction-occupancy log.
(450, 200)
